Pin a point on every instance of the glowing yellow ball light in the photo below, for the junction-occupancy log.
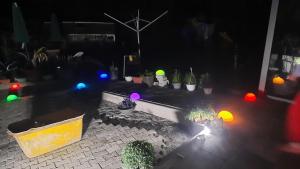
(160, 73)
(225, 115)
(278, 80)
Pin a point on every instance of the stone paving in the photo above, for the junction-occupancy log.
(100, 146)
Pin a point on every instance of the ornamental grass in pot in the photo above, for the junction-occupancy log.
(148, 78)
(176, 80)
(190, 80)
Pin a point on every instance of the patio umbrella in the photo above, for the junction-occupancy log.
(20, 31)
(55, 34)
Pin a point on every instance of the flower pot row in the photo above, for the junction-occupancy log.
(149, 80)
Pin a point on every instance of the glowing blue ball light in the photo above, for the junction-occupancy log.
(135, 96)
(81, 86)
(103, 76)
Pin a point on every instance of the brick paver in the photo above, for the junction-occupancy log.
(100, 146)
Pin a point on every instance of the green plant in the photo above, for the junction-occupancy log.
(202, 114)
(138, 155)
(190, 79)
(176, 77)
(148, 73)
(39, 56)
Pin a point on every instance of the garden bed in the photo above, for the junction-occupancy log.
(110, 114)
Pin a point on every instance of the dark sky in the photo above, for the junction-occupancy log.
(93, 10)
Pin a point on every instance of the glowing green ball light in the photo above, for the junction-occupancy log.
(11, 97)
(160, 73)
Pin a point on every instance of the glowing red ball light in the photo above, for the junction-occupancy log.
(250, 97)
(15, 87)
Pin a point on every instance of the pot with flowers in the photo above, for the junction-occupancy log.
(190, 80)
(176, 81)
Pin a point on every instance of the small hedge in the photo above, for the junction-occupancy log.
(138, 155)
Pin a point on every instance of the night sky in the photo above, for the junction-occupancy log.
(245, 21)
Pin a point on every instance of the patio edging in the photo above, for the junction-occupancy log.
(161, 110)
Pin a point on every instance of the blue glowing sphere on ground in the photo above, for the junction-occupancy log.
(103, 76)
(135, 96)
(80, 86)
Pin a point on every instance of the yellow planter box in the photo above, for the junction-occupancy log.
(43, 134)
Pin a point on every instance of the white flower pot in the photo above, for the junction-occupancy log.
(128, 78)
(177, 85)
(191, 87)
(207, 91)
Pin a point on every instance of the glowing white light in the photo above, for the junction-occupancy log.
(205, 131)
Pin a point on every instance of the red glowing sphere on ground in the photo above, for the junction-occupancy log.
(15, 87)
(250, 97)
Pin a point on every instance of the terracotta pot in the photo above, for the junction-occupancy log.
(137, 80)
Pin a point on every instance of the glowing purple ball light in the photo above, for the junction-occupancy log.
(135, 96)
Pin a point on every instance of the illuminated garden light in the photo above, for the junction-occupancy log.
(15, 87)
(81, 86)
(160, 72)
(135, 96)
(11, 98)
(103, 76)
(250, 97)
(206, 131)
(226, 116)
(278, 80)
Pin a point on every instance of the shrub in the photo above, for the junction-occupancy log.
(138, 155)
(202, 114)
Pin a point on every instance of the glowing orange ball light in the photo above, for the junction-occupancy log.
(225, 115)
(15, 87)
(278, 80)
(250, 97)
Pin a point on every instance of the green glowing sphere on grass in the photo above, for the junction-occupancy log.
(11, 97)
(160, 72)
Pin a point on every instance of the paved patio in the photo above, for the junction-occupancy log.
(250, 142)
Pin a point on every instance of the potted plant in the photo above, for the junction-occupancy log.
(128, 78)
(207, 83)
(40, 60)
(148, 78)
(113, 72)
(190, 81)
(138, 79)
(176, 81)
(138, 155)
